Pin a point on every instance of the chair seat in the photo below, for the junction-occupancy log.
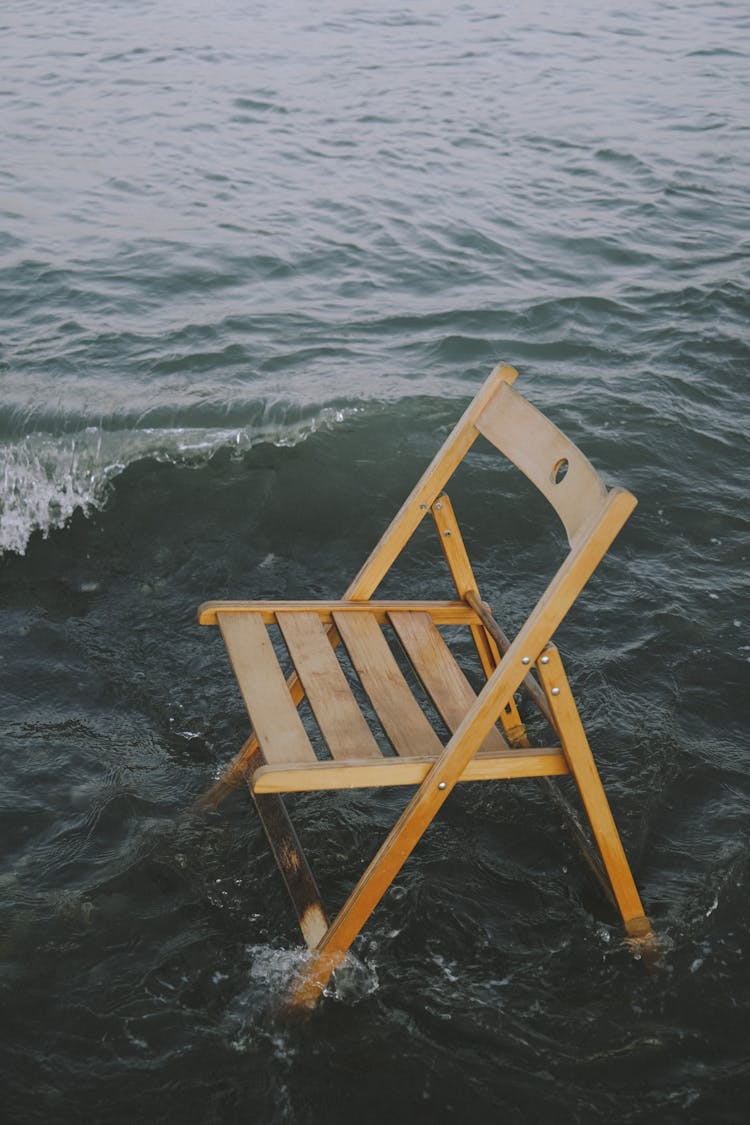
(311, 635)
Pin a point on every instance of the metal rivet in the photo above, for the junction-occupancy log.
(526, 660)
(442, 784)
(439, 506)
(555, 691)
(447, 534)
(545, 660)
(423, 507)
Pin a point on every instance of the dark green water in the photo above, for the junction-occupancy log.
(255, 260)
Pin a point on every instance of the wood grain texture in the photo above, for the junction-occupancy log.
(442, 612)
(336, 710)
(401, 716)
(441, 676)
(543, 762)
(263, 686)
(539, 449)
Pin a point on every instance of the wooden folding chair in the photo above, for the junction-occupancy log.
(487, 737)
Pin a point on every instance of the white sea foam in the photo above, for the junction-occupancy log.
(45, 478)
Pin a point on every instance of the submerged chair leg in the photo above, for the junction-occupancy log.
(243, 764)
(583, 768)
(290, 859)
(372, 885)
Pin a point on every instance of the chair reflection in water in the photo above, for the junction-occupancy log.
(487, 738)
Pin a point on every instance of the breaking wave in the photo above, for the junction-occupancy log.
(46, 477)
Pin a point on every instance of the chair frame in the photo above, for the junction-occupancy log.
(592, 517)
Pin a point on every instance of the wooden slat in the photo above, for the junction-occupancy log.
(442, 612)
(335, 708)
(404, 771)
(441, 676)
(403, 719)
(278, 726)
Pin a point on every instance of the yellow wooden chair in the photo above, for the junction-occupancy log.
(487, 737)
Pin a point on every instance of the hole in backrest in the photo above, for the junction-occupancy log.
(560, 470)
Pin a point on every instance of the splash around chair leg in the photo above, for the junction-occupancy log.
(642, 941)
(308, 985)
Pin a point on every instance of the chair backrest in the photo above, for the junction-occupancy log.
(551, 462)
(591, 514)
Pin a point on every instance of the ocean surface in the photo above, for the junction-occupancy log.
(255, 259)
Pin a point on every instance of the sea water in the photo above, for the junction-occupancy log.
(256, 258)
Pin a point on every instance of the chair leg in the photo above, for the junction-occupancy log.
(244, 763)
(368, 892)
(290, 859)
(583, 768)
(487, 646)
(230, 779)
